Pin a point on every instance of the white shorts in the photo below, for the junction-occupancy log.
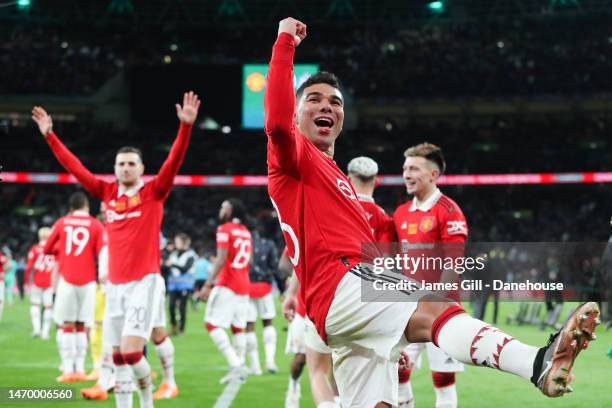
(75, 303)
(366, 338)
(262, 307)
(1, 291)
(295, 336)
(225, 308)
(134, 308)
(438, 359)
(312, 340)
(41, 296)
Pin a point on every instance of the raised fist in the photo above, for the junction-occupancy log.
(293, 27)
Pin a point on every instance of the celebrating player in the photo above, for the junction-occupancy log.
(261, 303)
(362, 172)
(228, 303)
(325, 226)
(430, 217)
(43, 266)
(76, 239)
(134, 211)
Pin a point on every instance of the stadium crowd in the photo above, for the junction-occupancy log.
(517, 56)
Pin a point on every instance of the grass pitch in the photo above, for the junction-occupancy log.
(33, 363)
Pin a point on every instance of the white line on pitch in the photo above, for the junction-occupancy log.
(227, 396)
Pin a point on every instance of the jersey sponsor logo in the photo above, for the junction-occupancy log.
(427, 223)
(112, 216)
(369, 215)
(345, 189)
(404, 225)
(412, 229)
(456, 228)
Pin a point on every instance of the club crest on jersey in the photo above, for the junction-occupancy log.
(427, 223)
(345, 189)
(456, 228)
(134, 201)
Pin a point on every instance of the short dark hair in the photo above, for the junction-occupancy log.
(77, 201)
(428, 151)
(238, 209)
(130, 149)
(322, 77)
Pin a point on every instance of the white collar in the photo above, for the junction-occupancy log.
(363, 197)
(427, 204)
(131, 191)
(236, 220)
(81, 213)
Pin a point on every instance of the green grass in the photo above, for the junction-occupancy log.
(27, 362)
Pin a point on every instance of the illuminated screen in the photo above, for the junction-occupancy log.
(253, 84)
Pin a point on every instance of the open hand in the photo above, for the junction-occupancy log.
(189, 111)
(43, 120)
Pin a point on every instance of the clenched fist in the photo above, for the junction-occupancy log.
(293, 27)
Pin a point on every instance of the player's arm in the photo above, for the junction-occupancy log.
(187, 115)
(279, 97)
(66, 158)
(290, 302)
(214, 271)
(50, 245)
(454, 234)
(29, 266)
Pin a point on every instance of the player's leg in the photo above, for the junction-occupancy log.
(172, 303)
(217, 317)
(164, 348)
(184, 296)
(318, 357)
(319, 368)
(295, 345)
(252, 348)
(84, 302)
(238, 326)
(443, 372)
(95, 335)
(107, 369)
(47, 302)
(144, 305)
(68, 351)
(35, 308)
(267, 312)
(474, 342)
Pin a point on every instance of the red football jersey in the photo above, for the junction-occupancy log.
(41, 264)
(322, 221)
(133, 217)
(382, 225)
(234, 274)
(437, 220)
(77, 238)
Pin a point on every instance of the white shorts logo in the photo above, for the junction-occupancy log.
(345, 189)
